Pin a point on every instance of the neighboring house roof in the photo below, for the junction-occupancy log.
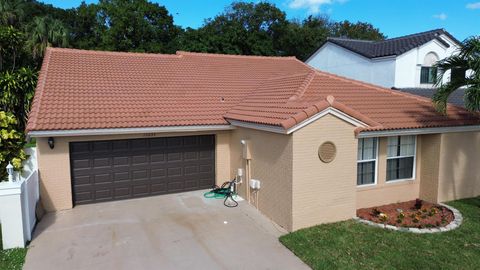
(456, 98)
(393, 46)
(97, 90)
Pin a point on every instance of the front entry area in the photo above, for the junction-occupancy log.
(124, 169)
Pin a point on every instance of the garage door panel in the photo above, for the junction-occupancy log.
(119, 177)
(102, 178)
(121, 169)
(101, 147)
(157, 158)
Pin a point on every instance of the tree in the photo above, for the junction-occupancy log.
(18, 88)
(358, 30)
(11, 144)
(11, 47)
(303, 38)
(136, 26)
(87, 31)
(465, 72)
(244, 28)
(45, 32)
(11, 11)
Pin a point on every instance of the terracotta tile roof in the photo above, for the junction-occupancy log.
(93, 90)
(81, 89)
(381, 109)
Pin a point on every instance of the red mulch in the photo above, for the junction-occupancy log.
(430, 215)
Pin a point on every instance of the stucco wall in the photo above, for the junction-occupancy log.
(271, 163)
(459, 175)
(54, 165)
(337, 60)
(389, 192)
(324, 192)
(408, 65)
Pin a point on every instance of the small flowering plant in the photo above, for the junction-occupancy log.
(413, 214)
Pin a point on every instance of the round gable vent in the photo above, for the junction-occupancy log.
(327, 152)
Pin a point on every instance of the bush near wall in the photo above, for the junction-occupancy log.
(12, 143)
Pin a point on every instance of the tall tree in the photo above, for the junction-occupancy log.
(358, 30)
(45, 32)
(464, 68)
(11, 11)
(136, 25)
(87, 30)
(301, 39)
(11, 47)
(244, 28)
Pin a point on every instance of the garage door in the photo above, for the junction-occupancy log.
(123, 169)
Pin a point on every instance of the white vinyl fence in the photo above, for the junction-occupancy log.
(18, 201)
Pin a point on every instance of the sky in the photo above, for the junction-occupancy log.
(393, 17)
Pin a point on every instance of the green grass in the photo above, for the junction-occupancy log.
(350, 245)
(12, 259)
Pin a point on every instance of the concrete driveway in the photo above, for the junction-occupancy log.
(179, 231)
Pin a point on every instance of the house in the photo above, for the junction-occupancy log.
(112, 126)
(404, 63)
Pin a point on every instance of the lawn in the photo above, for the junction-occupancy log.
(350, 245)
(12, 259)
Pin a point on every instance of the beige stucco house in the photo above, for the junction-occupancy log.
(113, 126)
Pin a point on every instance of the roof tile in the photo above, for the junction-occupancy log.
(94, 90)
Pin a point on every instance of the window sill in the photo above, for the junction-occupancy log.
(366, 185)
(399, 180)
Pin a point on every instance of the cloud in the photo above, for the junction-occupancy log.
(313, 6)
(475, 5)
(442, 16)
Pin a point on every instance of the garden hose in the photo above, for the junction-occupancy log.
(223, 192)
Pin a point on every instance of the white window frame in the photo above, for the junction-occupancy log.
(414, 170)
(370, 160)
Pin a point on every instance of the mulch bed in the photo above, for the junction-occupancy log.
(411, 214)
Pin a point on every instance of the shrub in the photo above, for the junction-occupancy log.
(11, 144)
(418, 204)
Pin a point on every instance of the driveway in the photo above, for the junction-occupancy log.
(178, 231)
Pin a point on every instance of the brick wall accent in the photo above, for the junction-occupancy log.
(271, 164)
(324, 192)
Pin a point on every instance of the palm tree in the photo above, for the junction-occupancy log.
(45, 32)
(465, 72)
(11, 11)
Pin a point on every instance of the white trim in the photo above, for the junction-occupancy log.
(414, 171)
(306, 122)
(269, 128)
(417, 131)
(370, 160)
(118, 131)
(343, 116)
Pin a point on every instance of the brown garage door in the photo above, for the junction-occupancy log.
(123, 169)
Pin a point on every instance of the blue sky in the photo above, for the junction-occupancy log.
(394, 17)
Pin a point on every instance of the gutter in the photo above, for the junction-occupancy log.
(122, 131)
(416, 131)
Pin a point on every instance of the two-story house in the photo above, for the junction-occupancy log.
(403, 63)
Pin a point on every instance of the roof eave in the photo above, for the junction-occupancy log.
(124, 131)
(416, 131)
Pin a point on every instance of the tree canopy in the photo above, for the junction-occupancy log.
(464, 69)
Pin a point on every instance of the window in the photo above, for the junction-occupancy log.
(366, 161)
(428, 75)
(401, 157)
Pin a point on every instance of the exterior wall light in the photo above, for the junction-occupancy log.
(51, 142)
(10, 172)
